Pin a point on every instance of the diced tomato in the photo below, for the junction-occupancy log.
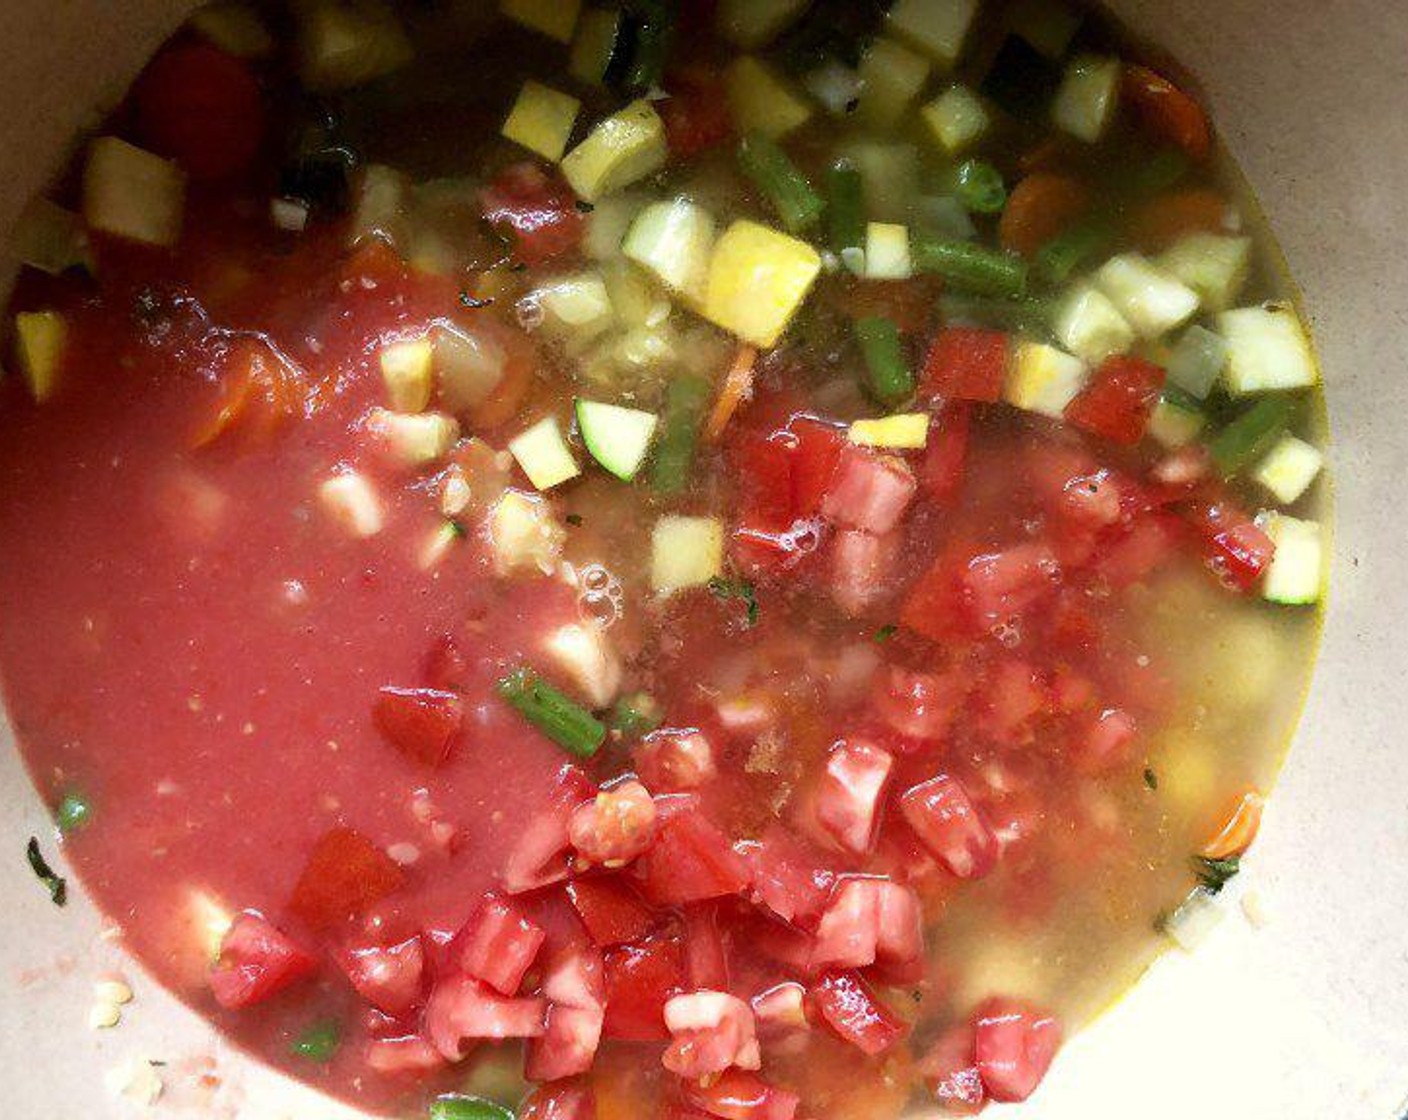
(568, 1043)
(741, 1095)
(848, 1006)
(868, 491)
(498, 944)
(696, 114)
(537, 211)
(918, 705)
(675, 760)
(1104, 743)
(934, 607)
(848, 795)
(950, 1069)
(640, 977)
(1167, 112)
(1119, 399)
(788, 879)
(616, 826)
(1008, 700)
(710, 1031)
(260, 391)
(816, 448)
(951, 826)
(691, 861)
(967, 364)
(345, 874)
(946, 453)
(861, 567)
(421, 723)
(1003, 585)
(781, 1009)
(445, 665)
(1239, 551)
(256, 961)
(408, 1055)
(201, 107)
(462, 1010)
(386, 976)
(1014, 1048)
(540, 856)
(706, 962)
(774, 941)
(610, 908)
(559, 1102)
(762, 464)
(1091, 500)
(870, 921)
(576, 977)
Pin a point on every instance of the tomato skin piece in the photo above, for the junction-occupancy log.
(567, 1046)
(640, 978)
(410, 1054)
(706, 960)
(816, 449)
(1119, 399)
(1237, 549)
(788, 878)
(849, 793)
(610, 908)
(202, 108)
(422, 723)
(1167, 112)
(967, 364)
(540, 856)
(848, 1006)
(1014, 1046)
(538, 211)
(345, 875)
(256, 961)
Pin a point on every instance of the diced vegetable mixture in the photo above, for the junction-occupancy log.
(694, 560)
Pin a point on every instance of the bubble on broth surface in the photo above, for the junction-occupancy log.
(600, 598)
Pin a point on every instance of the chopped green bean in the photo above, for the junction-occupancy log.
(888, 378)
(73, 813)
(778, 178)
(1251, 434)
(972, 268)
(685, 401)
(845, 206)
(636, 714)
(468, 1108)
(318, 1043)
(555, 714)
(978, 185)
(1068, 252)
(653, 22)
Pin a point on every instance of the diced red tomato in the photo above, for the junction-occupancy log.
(951, 826)
(540, 856)
(568, 1043)
(536, 210)
(741, 1095)
(345, 874)
(868, 491)
(816, 448)
(445, 665)
(1239, 551)
(1014, 1047)
(950, 1069)
(848, 1006)
(576, 977)
(1008, 700)
(640, 977)
(1119, 399)
(462, 1010)
(386, 976)
(946, 453)
(848, 795)
(861, 567)
(918, 705)
(674, 760)
(1167, 112)
(408, 1055)
(967, 364)
(610, 908)
(1104, 743)
(616, 826)
(691, 861)
(256, 961)
(1003, 585)
(710, 1031)
(781, 1009)
(559, 1102)
(498, 944)
(1091, 500)
(788, 879)
(870, 921)
(201, 107)
(421, 723)
(935, 607)
(706, 962)
(696, 114)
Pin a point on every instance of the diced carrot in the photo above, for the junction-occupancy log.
(737, 388)
(1165, 219)
(1047, 154)
(1040, 206)
(1237, 834)
(1167, 112)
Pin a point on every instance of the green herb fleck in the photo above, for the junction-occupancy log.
(474, 302)
(573, 519)
(740, 589)
(636, 714)
(886, 632)
(58, 886)
(468, 1108)
(319, 1042)
(456, 529)
(73, 812)
(583, 206)
(1151, 779)
(1214, 874)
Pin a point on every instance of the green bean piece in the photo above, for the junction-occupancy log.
(468, 1108)
(888, 378)
(845, 206)
(979, 187)
(319, 1042)
(636, 714)
(73, 813)
(555, 714)
(972, 268)
(685, 401)
(780, 181)
(654, 36)
(1068, 252)
(1251, 434)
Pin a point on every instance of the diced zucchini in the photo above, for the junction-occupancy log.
(556, 19)
(583, 654)
(902, 431)
(343, 44)
(39, 345)
(468, 367)
(1267, 349)
(890, 175)
(616, 437)
(887, 252)
(131, 193)
(1298, 569)
(619, 151)
(635, 297)
(597, 33)
(607, 225)
(957, 118)
(762, 101)
(352, 502)
(438, 544)
(544, 455)
(1089, 94)
(1048, 25)
(685, 552)
(575, 308)
(674, 241)
(937, 27)
(382, 208)
(50, 238)
(755, 23)
(1043, 379)
(1091, 327)
(415, 439)
(1289, 469)
(541, 120)
(235, 27)
(835, 85)
(407, 373)
(1176, 420)
(758, 277)
(891, 77)
(1152, 301)
(1214, 266)
(523, 533)
(1197, 361)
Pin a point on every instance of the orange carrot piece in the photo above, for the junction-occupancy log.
(1240, 830)
(1039, 207)
(1169, 217)
(737, 388)
(1167, 112)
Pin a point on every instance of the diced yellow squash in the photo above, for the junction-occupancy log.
(407, 373)
(544, 455)
(762, 101)
(583, 654)
(541, 120)
(1043, 379)
(685, 552)
(758, 278)
(1289, 469)
(352, 502)
(524, 534)
(674, 241)
(1214, 266)
(556, 19)
(131, 193)
(346, 43)
(903, 431)
(619, 151)
(1090, 326)
(887, 255)
(937, 27)
(1297, 572)
(891, 77)
(1267, 350)
(575, 308)
(593, 45)
(414, 439)
(235, 27)
(39, 344)
(957, 118)
(50, 238)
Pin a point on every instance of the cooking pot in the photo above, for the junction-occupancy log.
(1302, 1012)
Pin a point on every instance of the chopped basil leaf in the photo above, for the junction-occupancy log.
(1214, 874)
(474, 302)
(573, 519)
(1151, 779)
(319, 1042)
(73, 812)
(886, 632)
(583, 206)
(457, 528)
(740, 589)
(58, 886)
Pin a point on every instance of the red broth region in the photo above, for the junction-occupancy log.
(483, 671)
